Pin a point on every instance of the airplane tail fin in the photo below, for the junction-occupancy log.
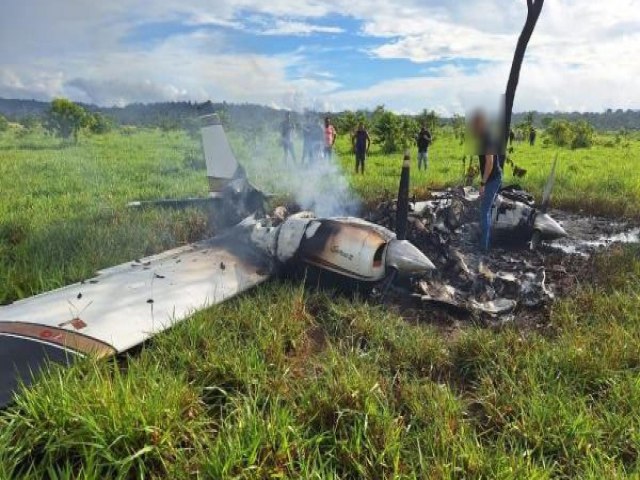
(222, 166)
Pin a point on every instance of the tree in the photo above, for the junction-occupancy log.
(534, 8)
(459, 127)
(567, 134)
(408, 131)
(582, 135)
(100, 124)
(347, 122)
(529, 119)
(386, 131)
(546, 121)
(167, 124)
(560, 133)
(4, 124)
(66, 118)
(430, 119)
(393, 132)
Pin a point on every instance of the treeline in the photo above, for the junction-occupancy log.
(391, 131)
(166, 115)
(170, 114)
(609, 121)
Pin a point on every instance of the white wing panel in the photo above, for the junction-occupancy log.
(125, 305)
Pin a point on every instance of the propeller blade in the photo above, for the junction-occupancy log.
(402, 212)
(546, 196)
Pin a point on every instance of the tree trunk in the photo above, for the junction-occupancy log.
(534, 8)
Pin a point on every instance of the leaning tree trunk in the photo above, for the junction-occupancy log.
(534, 7)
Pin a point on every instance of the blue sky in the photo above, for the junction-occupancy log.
(331, 54)
(343, 54)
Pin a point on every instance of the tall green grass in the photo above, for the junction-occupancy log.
(63, 210)
(284, 383)
(601, 180)
(288, 383)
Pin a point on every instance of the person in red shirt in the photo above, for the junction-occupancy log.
(330, 135)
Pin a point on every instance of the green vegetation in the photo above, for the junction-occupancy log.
(66, 118)
(63, 214)
(99, 124)
(4, 124)
(566, 134)
(288, 383)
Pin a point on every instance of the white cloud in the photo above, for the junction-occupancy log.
(282, 27)
(584, 55)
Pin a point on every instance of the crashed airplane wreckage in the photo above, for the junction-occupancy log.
(464, 280)
(124, 306)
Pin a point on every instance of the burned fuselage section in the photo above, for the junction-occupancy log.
(349, 247)
(515, 217)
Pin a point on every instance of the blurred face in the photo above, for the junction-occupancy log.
(478, 124)
(361, 126)
(327, 122)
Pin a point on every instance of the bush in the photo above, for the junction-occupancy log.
(347, 122)
(4, 124)
(430, 119)
(65, 119)
(393, 132)
(100, 124)
(582, 135)
(567, 134)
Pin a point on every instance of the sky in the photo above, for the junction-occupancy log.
(448, 56)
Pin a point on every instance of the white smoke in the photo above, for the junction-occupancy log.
(323, 188)
(319, 185)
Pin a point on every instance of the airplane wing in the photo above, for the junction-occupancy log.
(121, 307)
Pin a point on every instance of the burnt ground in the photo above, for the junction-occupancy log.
(531, 280)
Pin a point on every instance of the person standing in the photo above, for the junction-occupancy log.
(423, 141)
(286, 131)
(361, 145)
(532, 136)
(491, 175)
(330, 136)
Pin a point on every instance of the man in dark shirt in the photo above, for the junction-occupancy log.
(532, 136)
(286, 131)
(361, 144)
(424, 142)
(491, 175)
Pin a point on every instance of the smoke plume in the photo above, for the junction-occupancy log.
(318, 185)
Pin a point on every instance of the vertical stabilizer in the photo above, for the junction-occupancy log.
(222, 165)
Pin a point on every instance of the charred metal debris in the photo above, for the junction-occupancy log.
(514, 279)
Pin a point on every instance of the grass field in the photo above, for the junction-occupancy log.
(288, 383)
